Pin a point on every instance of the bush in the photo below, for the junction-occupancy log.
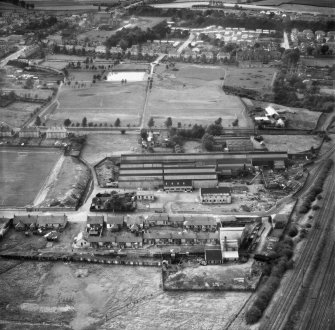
(315, 207)
(293, 231)
(253, 315)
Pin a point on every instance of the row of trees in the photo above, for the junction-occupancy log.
(85, 123)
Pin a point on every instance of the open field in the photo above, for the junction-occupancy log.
(257, 78)
(104, 102)
(192, 95)
(98, 146)
(291, 143)
(22, 173)
(106, 297)
(316, 3)
(17, 113)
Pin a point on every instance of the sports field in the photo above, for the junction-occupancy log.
(101, 103)
(22, 174)
(192, 95)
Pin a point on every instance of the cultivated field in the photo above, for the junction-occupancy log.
(104, 102)
(253, 78)
(106, 297)
(17, 113)
(192, 95)
(98, 146)
(22, 174)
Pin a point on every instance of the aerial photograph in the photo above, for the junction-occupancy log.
(167, 165)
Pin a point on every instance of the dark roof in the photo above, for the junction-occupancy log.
(218, 190)
(214, 254)
(103, 239)
(178, 183)
(95, 219)
(114, 219)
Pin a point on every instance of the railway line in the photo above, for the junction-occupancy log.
(278, 314)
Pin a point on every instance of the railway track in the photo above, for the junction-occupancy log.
(319, 311)
(280, 311)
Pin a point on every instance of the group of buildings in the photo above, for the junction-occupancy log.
(32, 222)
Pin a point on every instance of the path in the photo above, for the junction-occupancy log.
(13, 56)
(186, 43)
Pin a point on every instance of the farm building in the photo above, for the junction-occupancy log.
(145, 196)
(94, 224)
(114, 222)
(24, 222)
(52, 221)
(29, 132)
(56, 133)
(218, 195)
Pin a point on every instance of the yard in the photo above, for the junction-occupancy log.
(192, 95)
(84, 296)
(253, 78)
(101, 103)
(22, 174)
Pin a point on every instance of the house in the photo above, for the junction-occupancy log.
(212, 238)
(101, 242)
(213, 255)
(129, 240)
(176, 220)
(56, 133)
(114, 222)
(134, 222)
(100, 49)
(223, 55)
(200, 223)
(52, 221)
(29, 132)
(218, 195)
(5, 131)
(94, 224)
(145, 196)
(81, 240)
(158, 219)
(178, 185)
(24, 222)
(163, 238)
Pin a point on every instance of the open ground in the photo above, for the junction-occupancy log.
(106, 297)
(192, 95)
(17, 113)
(22, 173)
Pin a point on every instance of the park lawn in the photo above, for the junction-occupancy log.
(102, 102)
(22, 174)
(17, 113)
(193, 95)
(250, 78)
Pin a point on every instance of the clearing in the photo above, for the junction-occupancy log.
(107, 297)
(22, 173)
(192, 95)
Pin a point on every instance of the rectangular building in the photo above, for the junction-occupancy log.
(217, 195)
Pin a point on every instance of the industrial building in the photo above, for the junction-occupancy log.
(217, 195)
(173, 171)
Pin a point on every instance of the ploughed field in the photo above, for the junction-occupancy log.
(22, 174)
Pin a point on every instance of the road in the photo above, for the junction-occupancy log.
(13, 56)
(186, 43)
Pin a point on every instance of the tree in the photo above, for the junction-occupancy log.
(38, 121)
(29, 83)
(218, 121)
(67, 122)
(117, 122)
(151, 122)
(84, 122)
(214, 129)
(168, 122)
(208, 142)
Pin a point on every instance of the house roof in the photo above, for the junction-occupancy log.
(103, 239)
(114, 219)
(52, 219)
(95, 219)
(158, 217)
(128, 238)
(178, 183)
(200, 221)
(25, 219)
(217, 190)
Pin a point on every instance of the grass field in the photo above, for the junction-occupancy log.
(22, 174)
(257, 78)
(316, 3)
(104, 102)
(193, 94)
(17, 113)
